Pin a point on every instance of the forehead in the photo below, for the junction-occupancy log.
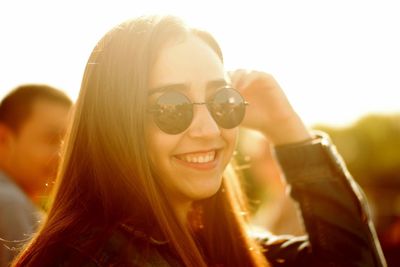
(190, 61)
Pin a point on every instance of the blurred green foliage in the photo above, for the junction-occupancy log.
(370, 148)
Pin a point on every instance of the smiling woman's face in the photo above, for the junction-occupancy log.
(190, 163)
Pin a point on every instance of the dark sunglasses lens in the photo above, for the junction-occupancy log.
(227, 108)
(173, 112)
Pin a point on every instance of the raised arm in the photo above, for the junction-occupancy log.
(333, 207)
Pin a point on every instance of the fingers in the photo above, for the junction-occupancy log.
(241, 78)
(238, 77)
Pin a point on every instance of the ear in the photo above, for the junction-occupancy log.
(5, 135)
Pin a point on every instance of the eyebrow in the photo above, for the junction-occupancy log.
(213, 84)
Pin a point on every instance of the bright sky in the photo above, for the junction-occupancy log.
(336, 60)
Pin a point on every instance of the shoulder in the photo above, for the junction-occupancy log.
(11, 195)
(99, 248)
(62, 255)
(18, 215)
(8, 189)
(104, 248)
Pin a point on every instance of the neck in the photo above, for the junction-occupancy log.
(40, 200)
(38, 196)
(182, 211)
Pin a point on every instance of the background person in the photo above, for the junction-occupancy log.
(33, 119)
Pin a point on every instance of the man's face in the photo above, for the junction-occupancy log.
(34, 150)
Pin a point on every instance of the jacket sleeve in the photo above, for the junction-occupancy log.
(334, 210)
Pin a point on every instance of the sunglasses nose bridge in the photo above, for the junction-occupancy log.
(203, 122)
(194, 104)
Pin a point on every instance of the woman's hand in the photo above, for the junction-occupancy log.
(269, 111)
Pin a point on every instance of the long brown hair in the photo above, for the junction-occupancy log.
(106, 176)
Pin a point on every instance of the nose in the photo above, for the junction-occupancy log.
(203, 124)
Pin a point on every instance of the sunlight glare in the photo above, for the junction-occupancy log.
(336, 61)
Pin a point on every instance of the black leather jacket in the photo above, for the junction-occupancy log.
(333, 207)
(334, 210)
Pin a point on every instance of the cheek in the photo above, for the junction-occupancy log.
(231, 138)
(43, 151)
(28, 148)
(154, 137)
(160, 144)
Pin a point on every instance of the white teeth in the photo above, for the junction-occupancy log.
(196, 158)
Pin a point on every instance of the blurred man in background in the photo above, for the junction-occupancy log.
(33, 119)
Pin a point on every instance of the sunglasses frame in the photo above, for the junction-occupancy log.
(175, 130)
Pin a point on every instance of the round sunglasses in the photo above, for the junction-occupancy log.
(173, 111)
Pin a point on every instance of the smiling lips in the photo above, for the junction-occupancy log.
(201, 157)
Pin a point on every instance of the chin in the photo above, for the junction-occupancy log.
(205, 193)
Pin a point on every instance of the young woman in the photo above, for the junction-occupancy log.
(145, 178)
